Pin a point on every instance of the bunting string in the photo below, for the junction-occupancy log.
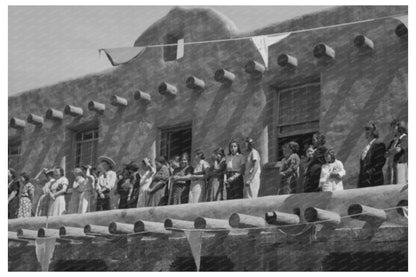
(274, 34)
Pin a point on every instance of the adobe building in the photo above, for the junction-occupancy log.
(336, 95)
(329, 79)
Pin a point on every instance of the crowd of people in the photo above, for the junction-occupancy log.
(231, 175)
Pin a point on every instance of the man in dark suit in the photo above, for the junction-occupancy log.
(313, 172)
(372, 159)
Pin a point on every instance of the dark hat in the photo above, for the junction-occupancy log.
(249, 140)
(108, 160)
(132, 166)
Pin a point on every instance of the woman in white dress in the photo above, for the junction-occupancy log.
(57, 193)
(146, 173)
(331, 173)
(75, 191)
(86, 188)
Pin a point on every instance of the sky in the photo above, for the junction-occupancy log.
(49, 44)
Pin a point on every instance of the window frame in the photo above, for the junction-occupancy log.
(173, 128)
(277, 136)
(77, 144)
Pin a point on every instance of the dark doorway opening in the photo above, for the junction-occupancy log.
(80, 265)
(366, 261)
(304, 140)
(208, 263)
(176, 140)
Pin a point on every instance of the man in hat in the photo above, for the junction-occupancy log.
(105, 184)
(252, 171)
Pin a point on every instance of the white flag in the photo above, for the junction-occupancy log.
(263, 42)
(122, 55)
(180, 49)
(44, 251)
(195, 242)
(404, 19)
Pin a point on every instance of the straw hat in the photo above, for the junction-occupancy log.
(108, 160)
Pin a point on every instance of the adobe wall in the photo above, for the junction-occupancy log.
(349, 85)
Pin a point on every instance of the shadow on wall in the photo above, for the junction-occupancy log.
(79, 265)
(208, 263)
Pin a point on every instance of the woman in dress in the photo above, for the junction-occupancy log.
(86, 188)
(75, 191)
(14, 187)
(198, 178)
(44, 200)
(157, 190)
(26, 196)
(234, 172)
(331, 173)
(124, 187)
(181, 180)
(57, 192)
(289, 171)
(146, 173)
(216, 189)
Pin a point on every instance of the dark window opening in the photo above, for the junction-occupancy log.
(175, 141)
(86, 143)
(208, 263)
(366, 261)
(170, 52)
(80, 265)
(298, 115)
(304, 140)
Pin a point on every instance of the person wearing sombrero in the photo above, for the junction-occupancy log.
(106, 182)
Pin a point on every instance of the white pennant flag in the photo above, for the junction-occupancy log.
(44, 251)
(263, 42)
(195, 242)
(118, 56)
(180, 48)
(404, 19)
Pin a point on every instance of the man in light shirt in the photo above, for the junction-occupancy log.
(105, 184)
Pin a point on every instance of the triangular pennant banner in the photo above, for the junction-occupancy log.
(44, 251)
(404, 19)
(195, 242)
(180, 48)
(263, 42)
(405, 212)
(122, 55)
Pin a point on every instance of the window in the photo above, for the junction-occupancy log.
(14, 153)
(170, 52)
(298, 115)
(86, 143)
(176, 140)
